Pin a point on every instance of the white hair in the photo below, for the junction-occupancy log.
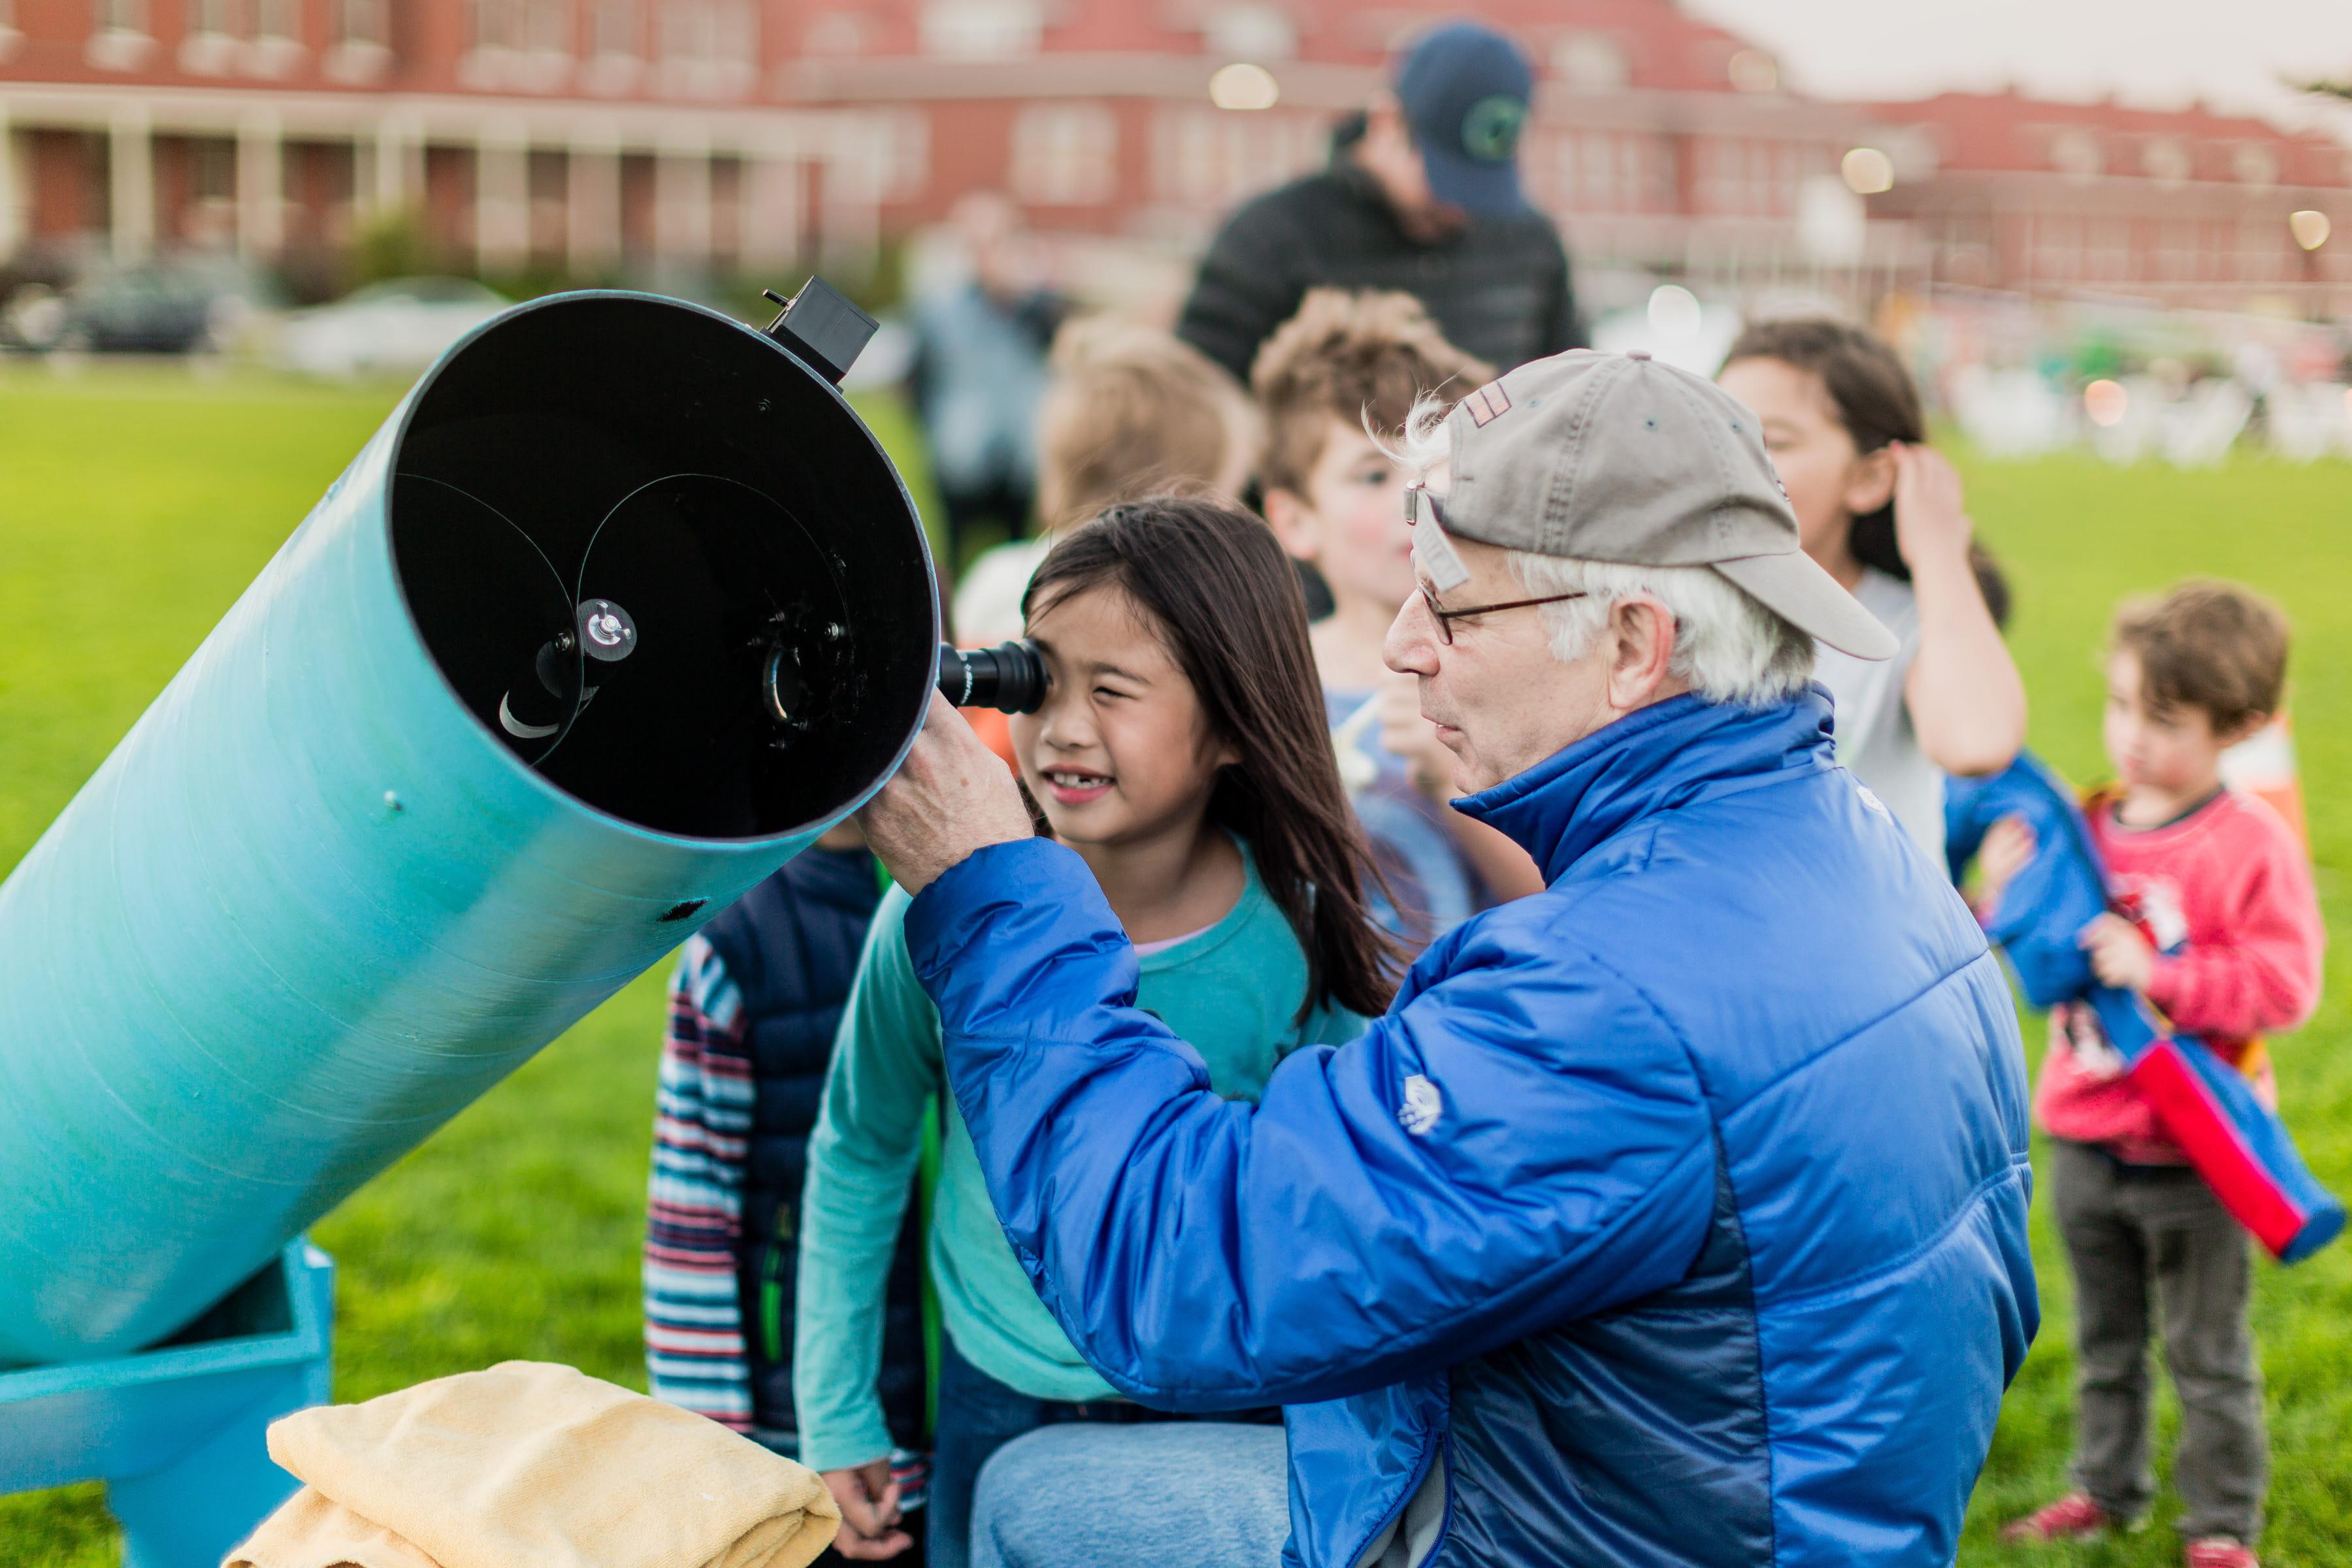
(1727, 646)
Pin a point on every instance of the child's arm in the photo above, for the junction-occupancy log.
(2263, 975)
(1965, 697)
(694, 1314)
(884, 1074)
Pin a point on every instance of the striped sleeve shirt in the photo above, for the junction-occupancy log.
(695, 1352)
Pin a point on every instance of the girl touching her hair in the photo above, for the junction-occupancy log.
(1181, 751)
(1882, 512)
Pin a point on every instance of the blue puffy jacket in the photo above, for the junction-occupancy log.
(1674, 1215)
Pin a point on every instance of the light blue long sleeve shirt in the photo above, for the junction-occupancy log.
(1233, 990)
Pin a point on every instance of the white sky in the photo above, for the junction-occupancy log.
(2158, 52)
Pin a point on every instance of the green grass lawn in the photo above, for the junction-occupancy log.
(135, 504)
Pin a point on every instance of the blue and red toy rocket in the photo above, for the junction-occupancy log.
(2206, 1106)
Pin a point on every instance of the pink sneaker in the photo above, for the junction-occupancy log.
(2219, 1551)
(2073, 1517)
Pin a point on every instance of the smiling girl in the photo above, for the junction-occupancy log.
(1181, 751)
(1882, 512)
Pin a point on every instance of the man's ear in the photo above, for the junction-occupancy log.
(1870, 482)
(1641, 636)
(1297, 526)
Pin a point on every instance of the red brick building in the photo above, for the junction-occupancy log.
(2179, 207)
(587, 133)
(733, 135)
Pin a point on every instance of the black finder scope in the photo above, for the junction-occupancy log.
(1010, 676)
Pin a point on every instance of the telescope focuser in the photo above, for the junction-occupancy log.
(1009, 677)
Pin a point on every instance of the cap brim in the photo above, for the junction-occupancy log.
(1480, 187)
(1797, 590)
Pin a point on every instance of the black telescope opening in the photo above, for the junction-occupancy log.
(623, 525)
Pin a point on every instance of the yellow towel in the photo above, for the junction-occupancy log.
(532, 1466)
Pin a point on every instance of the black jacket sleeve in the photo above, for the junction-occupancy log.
(1566, 329)
(1248, 285)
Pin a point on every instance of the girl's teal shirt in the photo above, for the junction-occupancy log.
(1232, 990)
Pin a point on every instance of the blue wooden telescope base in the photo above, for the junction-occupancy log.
(621, 608)
(177, 1432)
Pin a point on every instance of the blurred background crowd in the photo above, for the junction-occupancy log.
(342, 185)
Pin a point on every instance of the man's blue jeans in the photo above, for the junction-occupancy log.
(1202, 1494)
(977, 1417)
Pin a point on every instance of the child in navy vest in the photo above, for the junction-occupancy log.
(753, 1011)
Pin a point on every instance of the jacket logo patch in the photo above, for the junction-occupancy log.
(1488, 404)
(1423, 1106)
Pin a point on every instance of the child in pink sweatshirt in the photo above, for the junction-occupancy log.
(2218, 927)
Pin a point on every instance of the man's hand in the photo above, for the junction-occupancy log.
(1929, 517)
(2007, 850)
(951, 797)
(869, 1512)
(2120, 956)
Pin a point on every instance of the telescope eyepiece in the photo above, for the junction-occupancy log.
(1009, 677)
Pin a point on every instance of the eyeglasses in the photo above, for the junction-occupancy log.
(1417, 497)
(1445, 618)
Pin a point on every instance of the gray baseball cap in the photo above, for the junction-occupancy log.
(1607, 456)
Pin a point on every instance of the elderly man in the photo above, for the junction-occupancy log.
(1674, 1215)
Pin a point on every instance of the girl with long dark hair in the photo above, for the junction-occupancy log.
(1182, 751)
(1881, 512)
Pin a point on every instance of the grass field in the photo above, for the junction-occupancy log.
(135, 504)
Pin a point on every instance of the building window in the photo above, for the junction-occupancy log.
(363, 22)
(123, 17)
(2166, 160)
(540, 26)
(358, 48)
(276, 19)
(1206, 159)
(836, 33)
(1592, 62)
(709, 48)
(548, 26)
(2077, 153)
(2108, 256)
(523, 45)
(2057, 248)
(612, 28)
(211, 47)
(1065, 154)
(497, 25)
(2256, 164)
(2177, 257)
(982, 29)
(1599, 187)
(1249, 33)
(2260, 252)
(904, 157)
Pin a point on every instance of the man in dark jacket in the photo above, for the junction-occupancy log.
(1674, 1215)
(1422, 194)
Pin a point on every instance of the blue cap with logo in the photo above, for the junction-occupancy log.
(1464, 90)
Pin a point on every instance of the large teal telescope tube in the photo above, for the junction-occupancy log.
(621, 608)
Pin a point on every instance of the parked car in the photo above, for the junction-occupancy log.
(400, 325)
(173, 305)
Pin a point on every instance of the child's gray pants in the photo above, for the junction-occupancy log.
(2138, 1232)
